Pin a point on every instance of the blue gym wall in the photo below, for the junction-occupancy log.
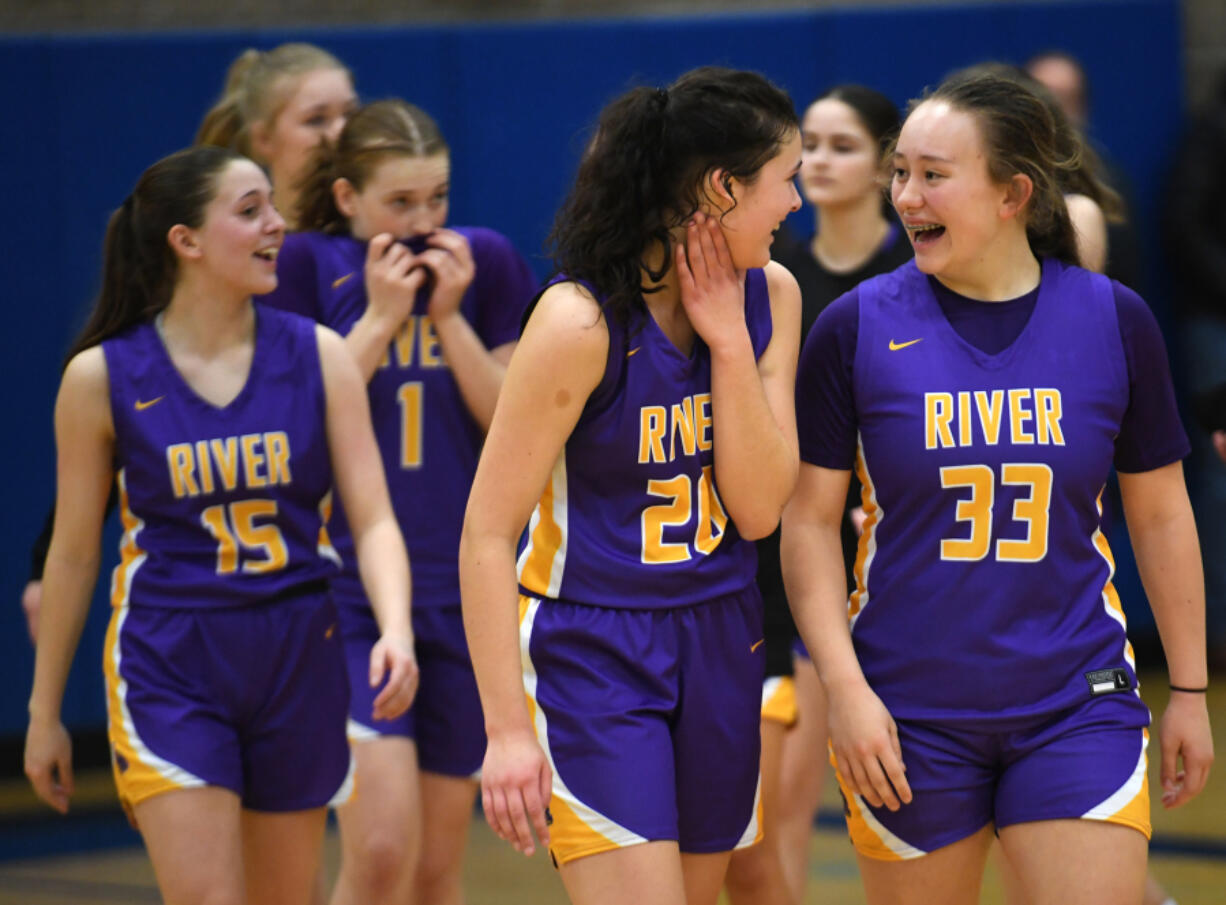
(88, 114)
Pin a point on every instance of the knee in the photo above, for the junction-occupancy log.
(437, 880)
(383, 862)
(749, 871)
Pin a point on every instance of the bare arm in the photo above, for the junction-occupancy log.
(559, 361)
(478, 371)
(753, 413)
(1163, 534)
(382, 561)
(862, 732)
(85, 438)
(1091, 228)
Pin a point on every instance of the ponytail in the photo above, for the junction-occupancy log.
(138, 266)
(642, 174)
(224, 125)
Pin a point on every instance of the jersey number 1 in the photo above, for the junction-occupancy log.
(410, 397)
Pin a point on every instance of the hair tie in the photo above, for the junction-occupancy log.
(662, 96)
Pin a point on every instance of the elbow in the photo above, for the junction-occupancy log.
(757, 525)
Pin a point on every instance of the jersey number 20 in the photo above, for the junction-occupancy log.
(679, 512)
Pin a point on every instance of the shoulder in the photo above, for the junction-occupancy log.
(781, 284)
(482, 238)
(1136, 319)
(1084, 211)
(87, 370)
(329, 343)
(842, 315)
(567, 311)
(85, 393)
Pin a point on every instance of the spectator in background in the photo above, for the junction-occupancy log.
(1063, 75)
(1195, 239)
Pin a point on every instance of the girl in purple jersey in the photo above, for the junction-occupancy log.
(278, 105)
(843, 133)
(376, 206)
(984, 392)
(634, 755)
(223, 666)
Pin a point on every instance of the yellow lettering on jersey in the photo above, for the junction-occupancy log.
(702, 419)
(253, 458)
(1018, 416)
(276, 445)
(403, 342)
(652, 419)
(964, 419)
(938, 413)
(182, 467)
(206, 467)
(683, 423)
(990, 414)
(429, 352)
(225, 454)
(1050, 409)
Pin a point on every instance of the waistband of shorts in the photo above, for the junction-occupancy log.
(315, 588)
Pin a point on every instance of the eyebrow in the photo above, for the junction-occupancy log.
(935, 157)
(245, 195)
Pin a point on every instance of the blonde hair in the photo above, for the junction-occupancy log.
(258, 86)
(379, 130)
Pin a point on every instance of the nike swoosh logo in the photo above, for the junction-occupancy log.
(632, 351)
(141, 406)
(894, 347)
(341, 281)
(756, 645)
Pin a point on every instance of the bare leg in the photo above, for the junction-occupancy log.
(648, 874)
(1059, 861)
(1010, 882)
(447, 810)
(755, 874)
(381, 825)
(1154, 893)
(951, 875)
(194, 839)
(281, 855)
(802, 771)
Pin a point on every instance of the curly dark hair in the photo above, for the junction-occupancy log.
(643, 173)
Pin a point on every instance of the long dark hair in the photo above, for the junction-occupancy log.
(643, 173)
(876, 112)
(379, 130)
(1021, 135)
(138, 266)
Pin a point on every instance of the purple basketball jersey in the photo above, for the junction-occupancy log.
(429, 441)
(220, 505)
(631, 516)
(983, 579)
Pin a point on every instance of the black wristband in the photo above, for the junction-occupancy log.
(1190, 690)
